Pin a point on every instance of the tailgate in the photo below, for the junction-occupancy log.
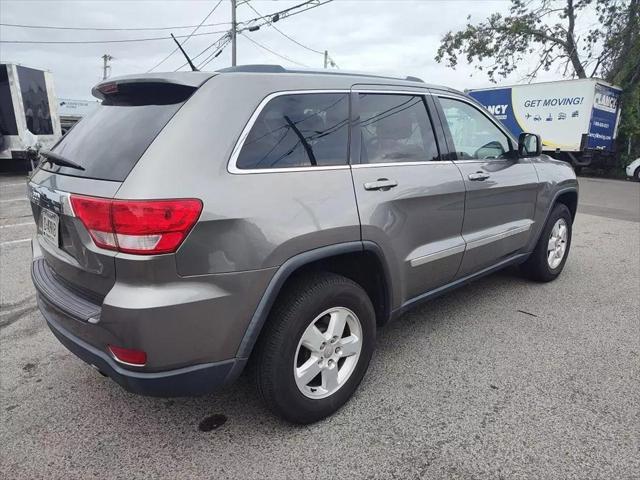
(71, 254)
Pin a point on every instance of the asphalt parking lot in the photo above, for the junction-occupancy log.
(500, 379)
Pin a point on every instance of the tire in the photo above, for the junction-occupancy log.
(280, 354)
(636, 175)
(539, 266)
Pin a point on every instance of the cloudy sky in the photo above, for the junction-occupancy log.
(399, 37)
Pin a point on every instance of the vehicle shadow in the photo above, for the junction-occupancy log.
(238, 405)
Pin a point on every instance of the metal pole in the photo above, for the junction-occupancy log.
(233, 33)
(326, 58)
(105, 65)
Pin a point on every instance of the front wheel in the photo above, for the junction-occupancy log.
(316, 347)
(548, 259)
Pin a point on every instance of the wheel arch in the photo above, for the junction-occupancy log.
(568, 198)
(362, 262)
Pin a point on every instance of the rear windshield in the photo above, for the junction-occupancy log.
(110, 140)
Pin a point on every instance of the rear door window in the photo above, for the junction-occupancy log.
(395, 128)
(298, 130)
(109, 141)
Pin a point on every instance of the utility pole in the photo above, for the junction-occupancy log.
(233, 33)
(326, 58)
(106, 68)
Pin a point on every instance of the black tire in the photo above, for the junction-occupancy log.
(636, 175)
(536, 266)
(305, 299)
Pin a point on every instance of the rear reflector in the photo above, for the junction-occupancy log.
(129, 356)
(144, 227)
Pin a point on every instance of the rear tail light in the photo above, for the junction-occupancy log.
(129, 356)
(144, 227)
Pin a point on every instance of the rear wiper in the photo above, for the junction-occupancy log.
(59, 159)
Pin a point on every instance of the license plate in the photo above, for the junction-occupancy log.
(49, 226)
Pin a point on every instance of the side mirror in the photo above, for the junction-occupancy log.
(529, 145)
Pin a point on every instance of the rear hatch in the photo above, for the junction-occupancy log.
(106, 144)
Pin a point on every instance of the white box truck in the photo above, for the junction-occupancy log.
(577, 119)
(27, 104)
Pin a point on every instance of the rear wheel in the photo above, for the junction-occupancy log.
(637, 174)
(548, 259)
(316, 347)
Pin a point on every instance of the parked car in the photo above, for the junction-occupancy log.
(633, 170)
(195, 222)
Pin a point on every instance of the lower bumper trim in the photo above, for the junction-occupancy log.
(188, 381)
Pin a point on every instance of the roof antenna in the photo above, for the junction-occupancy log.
(193, 67)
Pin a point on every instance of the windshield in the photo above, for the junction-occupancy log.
(108, 142)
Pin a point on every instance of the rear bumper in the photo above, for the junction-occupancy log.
(188, 381)
(188, 348)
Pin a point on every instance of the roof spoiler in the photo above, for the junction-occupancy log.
(184, 79)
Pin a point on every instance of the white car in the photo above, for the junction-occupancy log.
(633, 170)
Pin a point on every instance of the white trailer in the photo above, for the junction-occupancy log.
(27, 104)
(577, 119)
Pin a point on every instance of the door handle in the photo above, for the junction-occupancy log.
(478, 176)
(381, 184)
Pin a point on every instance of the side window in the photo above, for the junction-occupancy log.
(298, 130)
(395, 128)
(474, 135)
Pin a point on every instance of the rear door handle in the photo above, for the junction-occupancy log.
(478, 176)
(381, 184)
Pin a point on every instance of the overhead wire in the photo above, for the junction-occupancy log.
(213, 44)
(271, 24)
(264, 47)
(128, 40)
(186, 39)
(111, 29)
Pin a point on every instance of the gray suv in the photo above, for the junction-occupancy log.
(198, 222)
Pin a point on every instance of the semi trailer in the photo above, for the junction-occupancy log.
(28, 108)
(577, 119)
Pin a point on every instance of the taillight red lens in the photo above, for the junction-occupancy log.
(128, 355)
(144, 227)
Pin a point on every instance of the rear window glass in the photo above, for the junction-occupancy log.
(109, 141)
(300, 130)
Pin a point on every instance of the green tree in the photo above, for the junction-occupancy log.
(580, 38)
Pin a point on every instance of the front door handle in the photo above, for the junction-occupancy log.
(478, 176)
(383, 184)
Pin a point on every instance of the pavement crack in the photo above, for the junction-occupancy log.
(15, 315)
(528, 313)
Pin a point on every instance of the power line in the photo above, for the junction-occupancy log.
(272, 51)
(186, 39)
(281, 32)
(128, 40)
(112, 29)
(214, 55)
(216, 44)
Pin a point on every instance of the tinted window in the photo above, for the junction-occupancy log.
(395, 128)
(35, 101)
(298, 131)
(7, 116)
(110, 140)
(474, 135)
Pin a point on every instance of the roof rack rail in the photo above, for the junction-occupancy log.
(257, 68)
(266, 68)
